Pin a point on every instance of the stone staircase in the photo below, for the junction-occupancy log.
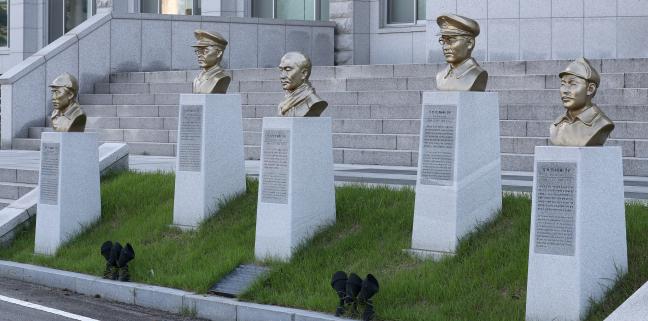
(15, 183)
(375, 109)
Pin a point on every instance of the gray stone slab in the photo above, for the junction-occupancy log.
(172, 88)
(395, 112)
(377, 84)
(257, 312)
(146, 135)
(92, 68)
(27, 176)
(168, 111)
(424, 84)
(112, 290)
(567, 38)
(601, 37)
(367, 126)
(136, 110)
(182, 37)
(95, 99)
(175, 76)
(407, 142)
(299, 39)
(125, 45)
(401, 126)
(503, 39)
(141, 123)
(159, 298)
(102, 122)
(417, 70)
(243, 46)
(7, 175)
(157, 149)
(535, 38)
(392, 98)
(383, 157)
(364, 141)
(167, 99)
(212, 308)
(114, 135)
(272, 45)
(347, 111)
(322, 46)
(123, 88)
(513, 162)
(12, 270)
(513, 128)
(156, 45)
(133, 99)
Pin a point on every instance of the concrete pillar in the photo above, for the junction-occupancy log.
(351, 31)
(225, 8)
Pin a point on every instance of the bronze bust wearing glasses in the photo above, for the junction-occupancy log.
(457, 38)
(212, 79)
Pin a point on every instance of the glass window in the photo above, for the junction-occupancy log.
(4, 23)
(179, 7)
(76, 12)
(291, 9)
(405, 11)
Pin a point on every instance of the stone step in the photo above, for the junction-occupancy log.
(608, 81)
(542, 67)
(170, 123)
(622, 96)
(552, 111)
(536, 128)
(14, 191)
(130, 110)
(20, 176)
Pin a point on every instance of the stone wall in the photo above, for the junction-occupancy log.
(549, 29)
(116, 42)
(351, 19)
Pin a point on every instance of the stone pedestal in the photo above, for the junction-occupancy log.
(459, 173)
(296, 192)
(578, 232)
(210, 166)
(69, 194)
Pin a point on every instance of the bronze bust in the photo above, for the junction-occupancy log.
(457, 38)
(67, 115)
(209, 49)
(583, 124)
(301, 99)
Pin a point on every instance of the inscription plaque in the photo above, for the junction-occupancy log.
(555, 220)
(276, 153)
(438, 145)
(49, 173)
(190, 138)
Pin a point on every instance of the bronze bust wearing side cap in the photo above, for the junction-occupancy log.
(301, 100)
(457, 38)
(67, 115)
(583, 123)
(213, 79)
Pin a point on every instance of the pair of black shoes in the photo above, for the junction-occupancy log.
(354, 292)
(117, 258)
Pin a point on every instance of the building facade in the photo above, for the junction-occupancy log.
(375, 31)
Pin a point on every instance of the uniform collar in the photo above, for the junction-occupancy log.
(462, 69)
(69, 111)
(586, 117)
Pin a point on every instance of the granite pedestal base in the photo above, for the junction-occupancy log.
(458, 182)
(296, 192)
(70, 198)
(210, 166)
(578, 232)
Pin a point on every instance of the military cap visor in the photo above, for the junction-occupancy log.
(455, 25)
(206, 39)
(583, 69)
(65, 80)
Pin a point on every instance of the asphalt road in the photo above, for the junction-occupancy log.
(20, 301)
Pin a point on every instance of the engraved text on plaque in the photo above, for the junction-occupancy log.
(49, 173)
(276, 151)
(190, 138)
(438, 145)
(555, 220)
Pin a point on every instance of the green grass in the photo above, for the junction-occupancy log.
(485, 281)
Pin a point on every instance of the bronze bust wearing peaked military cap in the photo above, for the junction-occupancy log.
(67, 115)
(583, 124)
(301, 100)
(209, 48)
(457, 38)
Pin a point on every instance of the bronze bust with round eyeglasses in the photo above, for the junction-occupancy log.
(213, 79)
(457, 38)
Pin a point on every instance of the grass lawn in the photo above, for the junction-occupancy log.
(485, 281)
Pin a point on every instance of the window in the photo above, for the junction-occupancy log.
(179, 7)
(291, 9)
(64, 15)
(405, 11)
(4, 23)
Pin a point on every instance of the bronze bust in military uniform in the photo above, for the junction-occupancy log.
(301, 99)
(212, 79)
(583, 123)
(67, 115)
(457, 38)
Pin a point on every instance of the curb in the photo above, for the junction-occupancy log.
(154, 297)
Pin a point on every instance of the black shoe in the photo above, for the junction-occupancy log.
(106, 248)
(112, 261)
(127, 254)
